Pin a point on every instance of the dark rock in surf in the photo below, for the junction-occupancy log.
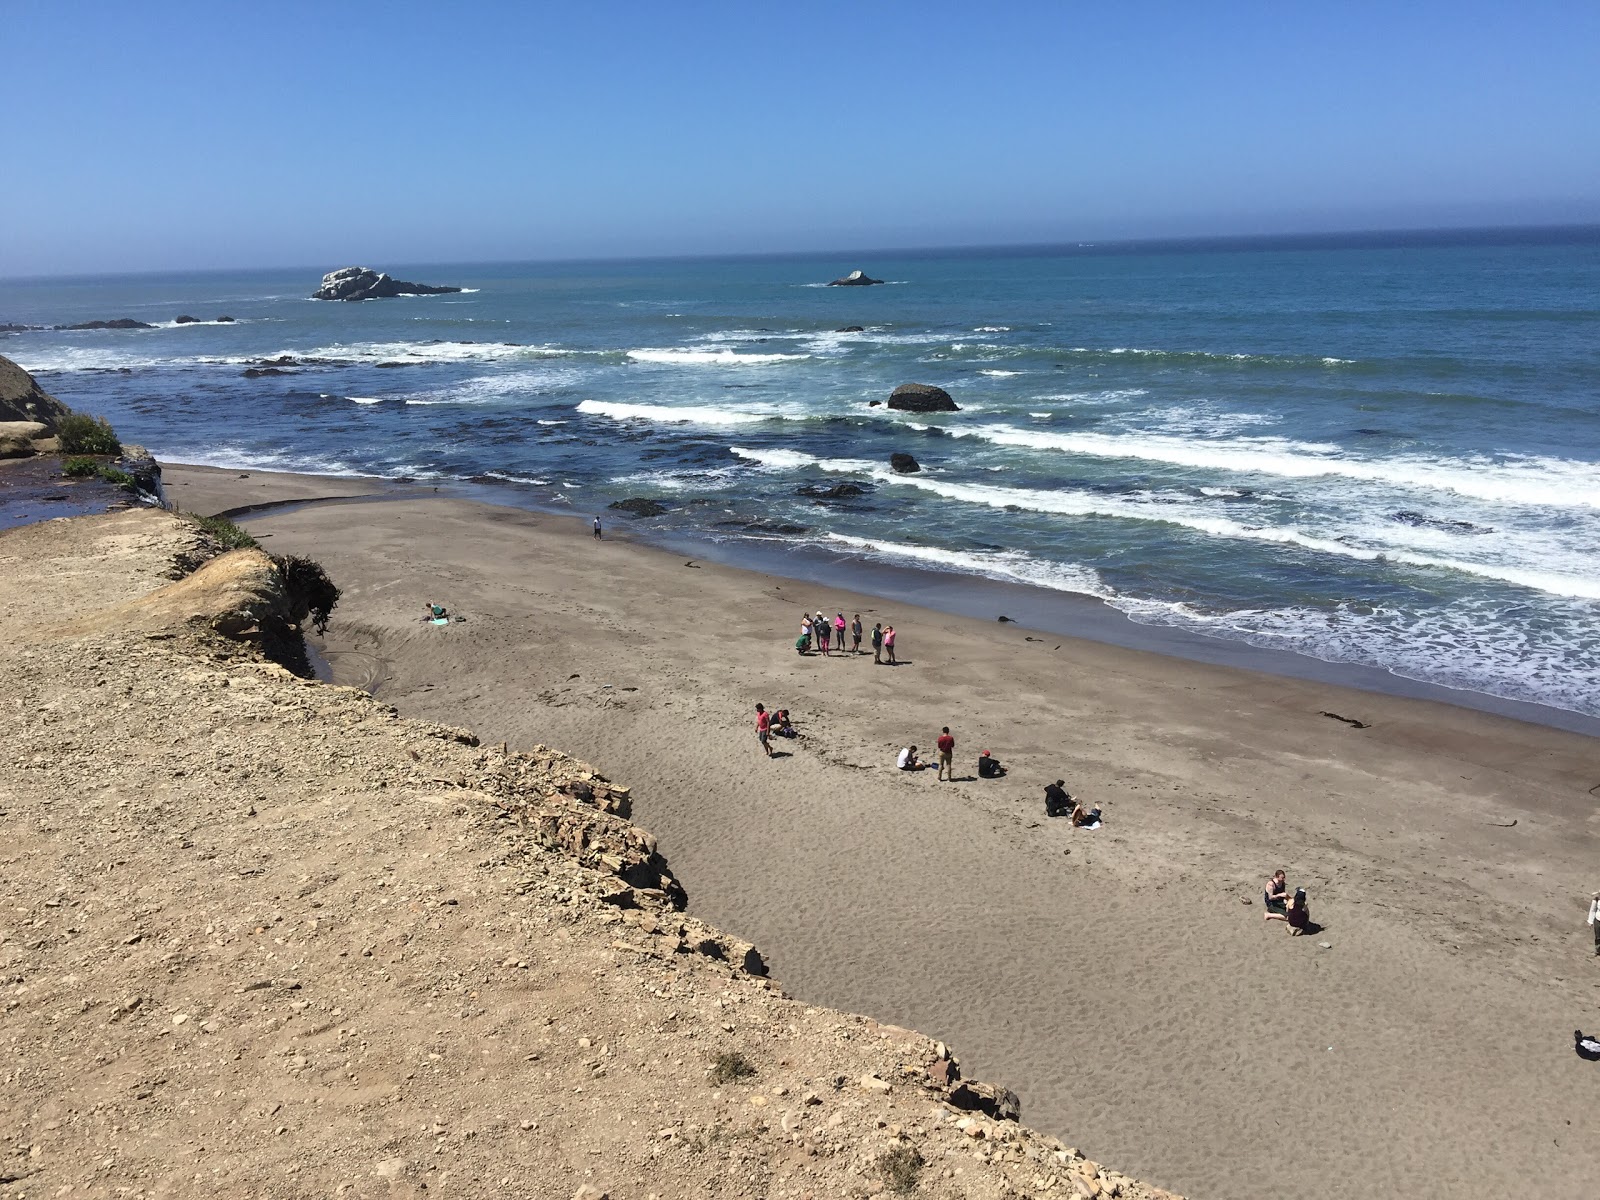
(119, 323)
(363, 283)
(639, 506)
(922, 398)
(904, 463)
(760, 525)
(854, 279)
(1422, 520)
(874, 403)
(8, 328)
(839, 491)
(258, 372)
(186, 320)
(850, 328)
(224, 320)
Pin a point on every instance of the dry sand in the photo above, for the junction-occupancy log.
(1113, 978)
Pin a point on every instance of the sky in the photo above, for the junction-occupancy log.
(181, 136)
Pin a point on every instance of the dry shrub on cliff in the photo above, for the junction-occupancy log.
(729, 1066)
(901, 1168)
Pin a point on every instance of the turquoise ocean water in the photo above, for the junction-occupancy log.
(1377, 451)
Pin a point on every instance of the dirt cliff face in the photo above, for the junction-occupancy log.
(265, 937)
(21, 399)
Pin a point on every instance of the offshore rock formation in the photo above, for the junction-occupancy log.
(922, 398)
(303, 945)
(854, 279)
(363, 283)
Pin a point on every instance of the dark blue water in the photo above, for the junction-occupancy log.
(1381, 454)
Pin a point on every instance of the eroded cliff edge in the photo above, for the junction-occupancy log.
(263, 936)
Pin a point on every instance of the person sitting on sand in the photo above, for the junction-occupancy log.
(989, 766)
(1297, 913)
(1057, 803)
(1587, 1047)
(781, 725)
(436, 612)
(907, 759)
(1084, 817)
(1276, 897)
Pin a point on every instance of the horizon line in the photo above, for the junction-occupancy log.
(1432, 235)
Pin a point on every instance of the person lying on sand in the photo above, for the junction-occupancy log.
(1084, 817)
(1297, 913)
(1587, 1047)
(1057, 803)
(989, 766)
(907, 759)
(1276, 897)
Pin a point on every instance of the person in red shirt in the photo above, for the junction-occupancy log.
(763, 726)
(947, 753)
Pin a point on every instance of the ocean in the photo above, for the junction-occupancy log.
(1379, 451)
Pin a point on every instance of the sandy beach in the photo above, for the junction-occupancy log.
(1122, 981)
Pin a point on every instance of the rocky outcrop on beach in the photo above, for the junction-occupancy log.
(854, 279)
(22, 399)
(904, 463)
(295, 941)
(363, 283)
(922, 398)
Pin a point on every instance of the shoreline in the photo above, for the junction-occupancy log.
(1032, 608)
(1122, 982)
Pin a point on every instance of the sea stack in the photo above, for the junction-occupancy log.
(363, 283)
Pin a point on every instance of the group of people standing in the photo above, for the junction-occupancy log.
(821, 634)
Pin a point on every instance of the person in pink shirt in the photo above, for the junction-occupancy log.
(839, 626)
(888, 644)
(763, 728)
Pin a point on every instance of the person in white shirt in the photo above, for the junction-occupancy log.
(1594, 921)
(907, 760)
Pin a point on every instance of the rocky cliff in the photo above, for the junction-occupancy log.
(264, 936)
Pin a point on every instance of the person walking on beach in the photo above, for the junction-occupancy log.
(947, 755)
(888, 645)
(877, 642)
(597, 529)
(1594, 921)
(855, 634)
(763, 728)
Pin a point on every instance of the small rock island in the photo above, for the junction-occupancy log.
(854, 279)
(363, 283)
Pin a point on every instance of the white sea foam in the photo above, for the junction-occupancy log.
(1000, 374)
(688, 414)
(1076, 503)
(992, 329)
(993, 564)
(365, 399)
(1558, 483)
(1041, 416)
(710, 358)
(542, 421)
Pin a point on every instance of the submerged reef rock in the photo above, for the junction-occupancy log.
(363, 283)
(854, 279)
(904, 463)
(839, 491)
(639, 506)
(922, 398)
(119, 323)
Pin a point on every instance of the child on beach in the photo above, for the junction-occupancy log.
(763, 725)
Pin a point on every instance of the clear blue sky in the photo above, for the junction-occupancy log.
(169, 135)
